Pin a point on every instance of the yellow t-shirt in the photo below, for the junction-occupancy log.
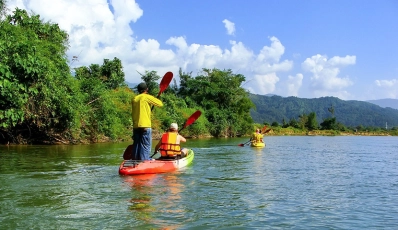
(141, 109)
(256, 137)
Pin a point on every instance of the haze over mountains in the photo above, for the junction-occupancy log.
(392, 103)
(349, 113)
(384, 103)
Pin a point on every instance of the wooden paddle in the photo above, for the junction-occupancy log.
(188, 122)
(164, 83)
(262, 130)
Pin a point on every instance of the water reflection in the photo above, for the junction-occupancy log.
(154, 198)
(141, 196)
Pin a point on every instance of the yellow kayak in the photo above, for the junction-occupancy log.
(258, 144)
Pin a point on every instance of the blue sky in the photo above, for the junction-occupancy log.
(309, 49)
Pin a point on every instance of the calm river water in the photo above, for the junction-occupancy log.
(304, 182)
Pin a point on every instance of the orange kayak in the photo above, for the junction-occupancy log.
(134, 167)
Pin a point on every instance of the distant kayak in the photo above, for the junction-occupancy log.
(134, 167)
(257, 144)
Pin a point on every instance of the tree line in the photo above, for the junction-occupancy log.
(323, 113)
(43, 102)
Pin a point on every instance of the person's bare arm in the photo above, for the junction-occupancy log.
(181, 138)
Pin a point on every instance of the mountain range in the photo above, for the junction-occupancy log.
(392, 103)
(376, 113)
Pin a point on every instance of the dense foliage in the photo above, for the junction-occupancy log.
(34, 76)
(217, 92)
(41, 102)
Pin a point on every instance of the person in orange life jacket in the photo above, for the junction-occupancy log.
(169, 144)
(142, 127)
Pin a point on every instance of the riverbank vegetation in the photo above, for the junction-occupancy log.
(43, 100)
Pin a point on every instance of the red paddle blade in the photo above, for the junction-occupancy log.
(267, 131)
(241, 145)
(264, 128)
(165, 82)
(192, 118)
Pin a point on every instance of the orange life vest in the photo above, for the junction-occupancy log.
(168, 146)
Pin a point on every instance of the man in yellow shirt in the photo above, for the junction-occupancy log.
(142, 127)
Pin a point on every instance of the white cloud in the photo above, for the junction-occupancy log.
(230, 26)
(325, 80)
(98, 31)
(272, 53)
(263, 84)
(293, 84)
(289, 86)
(95, 32)
(387, 88)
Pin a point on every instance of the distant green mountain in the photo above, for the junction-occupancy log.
(350, 113)
(392, 103)
(131, 85)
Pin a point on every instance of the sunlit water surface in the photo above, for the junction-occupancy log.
(293, 183)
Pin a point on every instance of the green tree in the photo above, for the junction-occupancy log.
(112, 73)
(275, 124)
(34, 77)
(303, 119)
(218, 92)
(331, 110)
(151, 78)
(102, 87)
(3, 8)
(284, 123)
(293, 123)
(329, 124)
(312, 123)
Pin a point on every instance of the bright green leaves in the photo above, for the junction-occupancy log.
(106, 100)
(225, 102)
(10, 117)
(39, 94)
(150, 78)
(33, 74)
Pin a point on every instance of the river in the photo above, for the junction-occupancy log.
(295, 182)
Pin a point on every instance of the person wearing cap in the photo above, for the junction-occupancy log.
(169, 144)
(142, 127)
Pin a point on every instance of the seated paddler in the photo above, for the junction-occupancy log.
(169, 144)
(257, 137)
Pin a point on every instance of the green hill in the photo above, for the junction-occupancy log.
(349, 113)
